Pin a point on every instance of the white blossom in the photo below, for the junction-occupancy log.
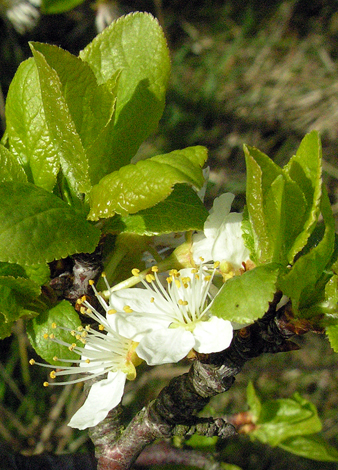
(102, 353)
(168, 321)
(221, 238)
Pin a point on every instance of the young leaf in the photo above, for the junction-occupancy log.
(301, 280)
(245, 298)
(38, 227)
(140, 186)
(39, 329)
(181, 211)
(311, 447)
(10, 168)
(62, 128)
(29, 137)
(52, 7)
(253, 402)
(305, 168)
(90, 105)
(136, 46)
(285, 418)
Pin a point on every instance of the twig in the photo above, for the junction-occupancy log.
(174, 411)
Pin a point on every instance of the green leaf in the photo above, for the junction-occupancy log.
(305, 168)
(90, 105)
(253, 402)
(15, 292)
(245, 298)
(29, 137)
(52, 7)
(204, 443)
(39, 273)
(139, 186)
(37, 227)
(300, 282)
(311, 447)
(276, 207)
(181, 211)
(248, 235)
(39, 329)
(284, 418)
(332, 333)
(136, 46)
(63, 131)
(10, 168)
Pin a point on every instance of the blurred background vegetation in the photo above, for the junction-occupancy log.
(243, 71)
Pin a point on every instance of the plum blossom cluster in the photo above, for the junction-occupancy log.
(161, 322)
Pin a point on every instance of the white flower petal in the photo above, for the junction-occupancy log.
(229, 244)
(103, 397)
(165, 346)
(220, 209)
(135, 326)
(213, 335)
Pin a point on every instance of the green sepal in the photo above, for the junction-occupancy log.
(139, 186)
(181, 211)
(40, 328)
(244, 299)
(37, 227)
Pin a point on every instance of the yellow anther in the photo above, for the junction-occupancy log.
(152, 300)
(87, 361)
(135, 272)
(173, 272)
(216, 264)
(46, 336)
(55, 358)
(83, 341)
(87, 327)
(88, 311)
(52, 336)
(101, 327)
(111, 311)
(32, 362)
(150, 278)
(83, 298)
(73, 333)
(103, 274)
(84, 334)
(91, 282)
(178, 284)
(169, 280)
(127, 309)
(82, 310)
(45, 384)
(52, 375)
(182, 302)
(54, 325)
(207, 278)
(186, 280)
(201, 259)
(78, 337)
(79, 301)
(154, 269)
(194, 271)
(80, 328)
